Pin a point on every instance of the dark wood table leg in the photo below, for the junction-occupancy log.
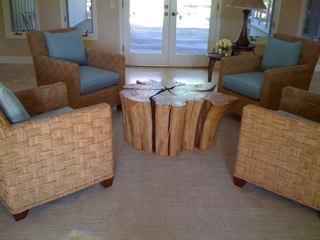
(210, 68)
(235, 52)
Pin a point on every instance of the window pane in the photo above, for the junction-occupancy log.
(311, 27)
(23, 17)
(80, 15)
(260, 20)
(193, 22)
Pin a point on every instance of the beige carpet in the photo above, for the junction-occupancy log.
(187, 197)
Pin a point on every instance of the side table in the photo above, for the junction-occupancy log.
(237, 49)
(167, 117)
(213, 57)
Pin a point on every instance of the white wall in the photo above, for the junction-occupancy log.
(109, 25)
(291, 17)
(77, 11)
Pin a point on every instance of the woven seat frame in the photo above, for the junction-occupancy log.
(45, 159)
(281, 153)
(274, 80)
(50, 70)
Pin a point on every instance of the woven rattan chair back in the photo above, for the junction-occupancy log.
(38, 45)
(37, 41)
(310, 50)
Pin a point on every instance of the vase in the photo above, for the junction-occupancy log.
(224, 52)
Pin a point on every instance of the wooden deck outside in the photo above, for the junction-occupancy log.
(149, 40)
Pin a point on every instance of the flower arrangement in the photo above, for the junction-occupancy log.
(224, 46)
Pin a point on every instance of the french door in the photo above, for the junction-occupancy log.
(168, 32)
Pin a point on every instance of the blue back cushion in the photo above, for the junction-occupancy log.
(66, 46)
(11, 106)
(280, 53)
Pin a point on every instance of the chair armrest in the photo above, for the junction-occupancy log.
(62, 153)
(280, 153)
(78, 116)
(277, 78)
(110, 61)
(53, 70)
(301, 102)
(239, 64)
(44, 98)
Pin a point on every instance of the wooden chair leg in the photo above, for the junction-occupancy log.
(20, 216)
(119, 107)
(239, 182)
(107, 183)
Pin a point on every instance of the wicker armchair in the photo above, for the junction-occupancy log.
(50, 70)
(280, 151)
(275, 79)
(45, 159)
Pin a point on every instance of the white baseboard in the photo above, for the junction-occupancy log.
(16, 59)
(28, 60)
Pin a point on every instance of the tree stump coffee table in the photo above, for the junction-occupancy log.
(166, 117)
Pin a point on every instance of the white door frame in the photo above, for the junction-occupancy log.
(214, 34)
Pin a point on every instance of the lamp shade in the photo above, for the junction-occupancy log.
(248, 4)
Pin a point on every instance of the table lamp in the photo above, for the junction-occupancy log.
(247, 5)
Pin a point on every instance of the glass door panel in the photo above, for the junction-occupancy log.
(192, 26)
(167, 32)
(146, 26)
(311, 25)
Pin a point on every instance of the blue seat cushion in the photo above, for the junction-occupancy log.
(92, 79)
(53, 112)
(11, 106)
(66, 46)
(280, 53)
(248, 84)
